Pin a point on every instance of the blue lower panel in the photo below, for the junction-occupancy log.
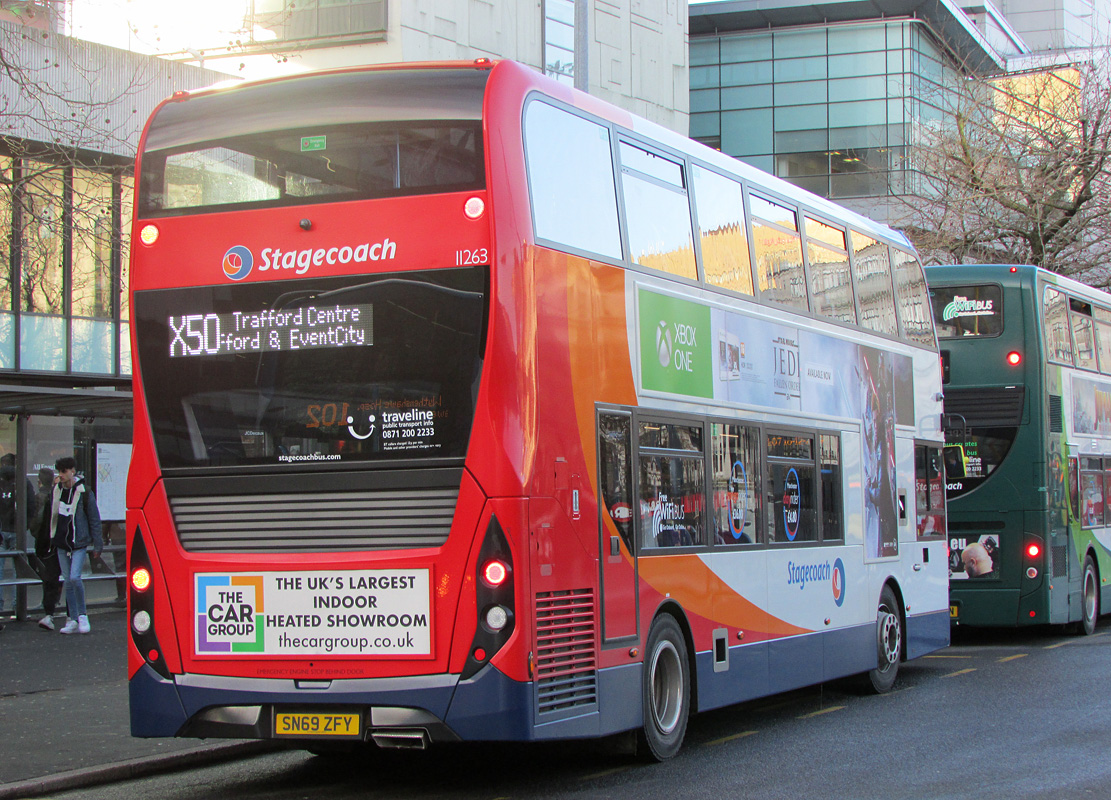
(926, 633)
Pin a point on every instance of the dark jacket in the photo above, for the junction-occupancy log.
(56, 530)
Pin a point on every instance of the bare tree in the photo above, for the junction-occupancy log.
(1017, 170)
(70, 117)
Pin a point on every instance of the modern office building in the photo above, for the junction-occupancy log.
(830, 96)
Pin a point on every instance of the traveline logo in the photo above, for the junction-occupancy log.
(239, 260)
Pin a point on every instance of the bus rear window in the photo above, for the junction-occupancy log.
(313, 372)
(973, 455)
(341, 137)
(961, 311)
(311, 164)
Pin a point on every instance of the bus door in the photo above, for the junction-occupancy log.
(617, 550)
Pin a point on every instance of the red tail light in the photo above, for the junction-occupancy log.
(495, 573)
(1033, 550)
(1014, 358)
(140, 579)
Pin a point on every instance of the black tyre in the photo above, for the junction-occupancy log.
(1089, 599)
(666, 690)
(889, 643)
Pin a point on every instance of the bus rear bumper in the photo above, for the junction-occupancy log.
(402, 712)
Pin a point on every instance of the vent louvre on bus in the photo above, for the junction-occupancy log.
(566, 670)
(1059, 558)
(1056, 415)
(313, 521)
(987, 408)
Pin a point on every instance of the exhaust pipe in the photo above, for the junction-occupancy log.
(401, 738)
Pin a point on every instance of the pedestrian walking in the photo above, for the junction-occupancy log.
(71, 527)
(49, 571)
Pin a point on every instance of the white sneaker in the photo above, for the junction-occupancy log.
(47, 623)
(83, 625)
(69, 627)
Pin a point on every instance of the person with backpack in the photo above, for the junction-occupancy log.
(70, 528)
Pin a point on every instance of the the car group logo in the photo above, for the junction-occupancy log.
(238, 262)
(229, 612)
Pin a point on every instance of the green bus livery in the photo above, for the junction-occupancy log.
(1026, 371)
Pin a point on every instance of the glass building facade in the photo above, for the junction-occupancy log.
(63, 299)
(831, 108)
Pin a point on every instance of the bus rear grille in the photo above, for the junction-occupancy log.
(315, 522)
(987, 407)
(566, 670)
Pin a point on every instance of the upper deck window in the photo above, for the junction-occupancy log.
(872, 268)
(339, 137)
(571, 183)
(721, 226)
(1055, 319)
(657, 211)
(910, 291)
(779, 265)
(962, 311)
(831, 286)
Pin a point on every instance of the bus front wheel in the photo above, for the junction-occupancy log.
(889, 643)
(666, 690)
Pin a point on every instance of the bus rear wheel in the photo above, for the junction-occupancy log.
(889, 643)
(1089, 599)
(665, 691)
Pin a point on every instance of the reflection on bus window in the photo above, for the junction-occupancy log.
(736, 484)
(1055, 319)
(874, 292)
(616, 473)
(778, 254)
(721, 226)
(831, 285)
(657, 212)
(672, 498)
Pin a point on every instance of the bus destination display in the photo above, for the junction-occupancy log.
(272, 330)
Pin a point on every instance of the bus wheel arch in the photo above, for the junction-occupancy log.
(890, 639)
(667, 685)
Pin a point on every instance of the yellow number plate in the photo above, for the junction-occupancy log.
(954, 611)
(303, 725)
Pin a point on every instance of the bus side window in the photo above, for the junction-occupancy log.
(571, 180)
(872, 275)
(1074, 487)
(779, 265)
(913, 299)
(929, 484)
(616, 478)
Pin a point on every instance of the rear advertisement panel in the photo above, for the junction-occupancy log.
(358, 612)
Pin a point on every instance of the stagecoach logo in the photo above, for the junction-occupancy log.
(802, 574)
(963, 307)
(238, 262)
(839, 582)
(229, 613)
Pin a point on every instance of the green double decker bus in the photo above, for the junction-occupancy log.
(1026, 372)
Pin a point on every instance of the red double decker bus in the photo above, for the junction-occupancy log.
(469, 407)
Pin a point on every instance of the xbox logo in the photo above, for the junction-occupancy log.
(663, 343)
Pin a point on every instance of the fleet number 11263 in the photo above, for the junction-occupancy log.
(466, 258)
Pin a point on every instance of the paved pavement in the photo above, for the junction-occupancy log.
(64, 719)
